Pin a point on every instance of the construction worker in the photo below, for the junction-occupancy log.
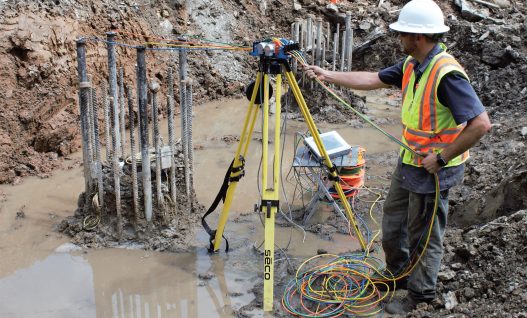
(442, 118)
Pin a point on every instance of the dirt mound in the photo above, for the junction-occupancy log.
(482, 273)
(38, 61)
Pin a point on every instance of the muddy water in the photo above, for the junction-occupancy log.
(222, 119)
(40, 275)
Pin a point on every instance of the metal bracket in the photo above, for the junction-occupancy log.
(268, 204)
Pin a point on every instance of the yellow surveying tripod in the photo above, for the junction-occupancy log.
(274, 57)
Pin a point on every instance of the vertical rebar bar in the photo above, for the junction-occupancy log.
(107, 135)
(302, 40)
(131, 123)
(172, 136)
(334, 53)
(84, 90)
(348, 38)
(116, 171)
(184, 113)
(309, 32)
(329, 36)
(184, 132)
(318, 43)
(336, 44)
(97, 147)
(323, 58)
(343, 51)
(350, 50)
(327, 43)
(122, 111)
(302, 35)
(313, 53)
(296, 38)
(189, 134)
(182, 64)
(143, 128)
(112, 79)
(90, 125)
(154, 88)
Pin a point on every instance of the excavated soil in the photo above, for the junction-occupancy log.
(483, 271)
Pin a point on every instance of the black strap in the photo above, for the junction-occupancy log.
(221, 197)
(333, 169)
(333, 178)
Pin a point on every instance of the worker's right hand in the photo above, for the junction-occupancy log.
(313, 72)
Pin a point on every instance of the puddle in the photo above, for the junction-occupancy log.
(37, 281)
(213, 159)
(125, 283)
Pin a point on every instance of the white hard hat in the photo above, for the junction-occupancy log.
(420, 17)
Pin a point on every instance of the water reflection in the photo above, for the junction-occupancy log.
(125, 283)
(59, 286)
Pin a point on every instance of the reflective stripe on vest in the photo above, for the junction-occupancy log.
(428, 126)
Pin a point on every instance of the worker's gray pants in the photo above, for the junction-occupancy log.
(405, 227)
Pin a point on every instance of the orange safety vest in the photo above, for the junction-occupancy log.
(428, 126)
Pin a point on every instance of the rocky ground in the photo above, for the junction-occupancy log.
(484, 265)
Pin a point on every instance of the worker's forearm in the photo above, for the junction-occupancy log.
(468, 137)
(355, 80)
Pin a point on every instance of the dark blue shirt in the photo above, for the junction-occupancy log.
(454, 92)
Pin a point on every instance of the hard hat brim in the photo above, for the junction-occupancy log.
(408, 28)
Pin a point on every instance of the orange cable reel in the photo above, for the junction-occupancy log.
(351, 177)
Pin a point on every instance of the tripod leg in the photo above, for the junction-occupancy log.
(241, 151)
(271, 196)
(318, 141)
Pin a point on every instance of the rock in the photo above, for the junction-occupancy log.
(446, 275)
(450, 300)
(365, 25)
(502, 3)
(297, 6)
(67, 248)
(484, 36)
(465, 252)
(332, 7)
(456, 266)
(469, 293)
(206, 276)
(524, 131)
(469, 12)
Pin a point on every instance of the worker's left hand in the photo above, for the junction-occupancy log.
(430, 162)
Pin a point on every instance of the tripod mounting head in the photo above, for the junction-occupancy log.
(275, 48)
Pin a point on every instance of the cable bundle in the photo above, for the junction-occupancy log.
(331, 289)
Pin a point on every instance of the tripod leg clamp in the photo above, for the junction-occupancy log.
(268, 204)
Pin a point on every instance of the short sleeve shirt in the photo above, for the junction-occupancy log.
(456, 93)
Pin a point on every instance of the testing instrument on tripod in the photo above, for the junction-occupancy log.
(274, 61)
